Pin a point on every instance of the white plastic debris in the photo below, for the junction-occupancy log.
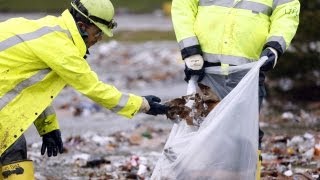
(296, 140)
(142, 170)
(286, 84)
(134, 160)
(102, 140)
(288, 116)
(308, 154)
(288, 173)
(308, 136)
(82, 156)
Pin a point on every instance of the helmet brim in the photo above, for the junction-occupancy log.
(104, 29)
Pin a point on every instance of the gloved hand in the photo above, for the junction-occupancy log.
(52, 142)
(151, 105)
(271, 62)
(194, 66)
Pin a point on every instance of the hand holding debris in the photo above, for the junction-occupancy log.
(204, 102)
(155, 108)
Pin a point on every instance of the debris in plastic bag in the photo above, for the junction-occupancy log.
(225, 146)
(177, 109)
(204, 102)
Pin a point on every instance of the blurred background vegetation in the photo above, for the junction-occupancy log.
(131, 6)
(300, 65)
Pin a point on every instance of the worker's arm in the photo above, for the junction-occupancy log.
(184, 13)
(64, 58)
(48, 127)
(183, 17)
(284, 23)
(77, 73)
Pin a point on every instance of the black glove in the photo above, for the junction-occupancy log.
(271, 61)
(155, 106)
(189, 73)
(52, 142)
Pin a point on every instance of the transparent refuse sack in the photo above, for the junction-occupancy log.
(225, 145)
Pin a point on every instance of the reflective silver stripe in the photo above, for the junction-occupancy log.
(280, 2)
(226, 59)
(255, 7)
(191, 41)
(123, 101)
(19, 38)
(9, 96)
(224, 3)
(280, 40)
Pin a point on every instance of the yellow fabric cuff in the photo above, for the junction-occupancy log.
(132, 107)
(46, 124)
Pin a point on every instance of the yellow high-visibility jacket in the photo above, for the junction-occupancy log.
(37, 59)
(234, 31)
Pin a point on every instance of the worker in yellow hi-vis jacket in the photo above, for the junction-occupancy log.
(40, 57)
(233, 32)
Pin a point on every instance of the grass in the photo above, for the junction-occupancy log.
(33, 5)
(134, 6)
(139, 6)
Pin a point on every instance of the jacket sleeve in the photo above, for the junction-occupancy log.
(183, 17)
(63, 57)
(284, 24)
(47, 121)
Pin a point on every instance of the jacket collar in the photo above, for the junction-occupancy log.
(72, 27)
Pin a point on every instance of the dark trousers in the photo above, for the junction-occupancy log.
(16, 152)
(262, 95)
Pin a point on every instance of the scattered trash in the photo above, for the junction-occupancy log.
(96, 163)
(133, 154)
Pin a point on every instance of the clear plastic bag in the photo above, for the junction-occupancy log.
(226, 143)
